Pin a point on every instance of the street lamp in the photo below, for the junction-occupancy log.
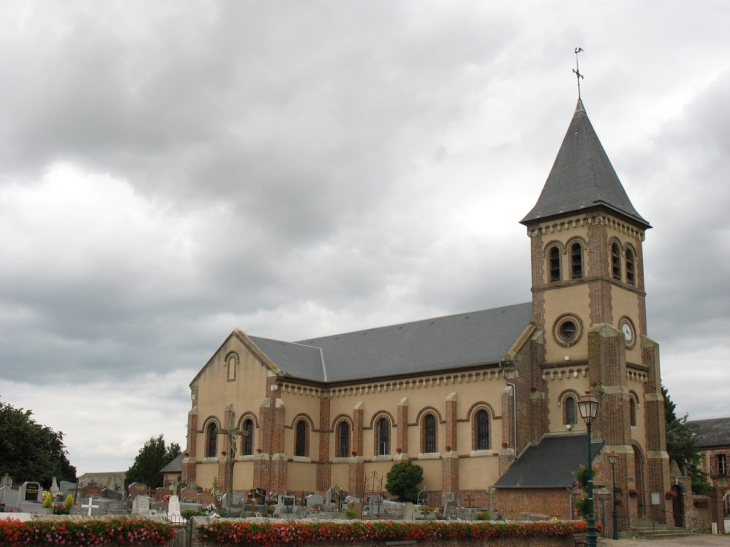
(613, 459)
(588, 406)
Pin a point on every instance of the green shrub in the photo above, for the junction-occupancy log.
(187, 514)
(351, 513)
(483, 515)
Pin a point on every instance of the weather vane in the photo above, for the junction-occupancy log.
(576, 70)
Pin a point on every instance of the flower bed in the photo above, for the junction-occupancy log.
(268, 534)
(117, 531)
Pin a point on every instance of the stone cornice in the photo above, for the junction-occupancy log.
(584, 220)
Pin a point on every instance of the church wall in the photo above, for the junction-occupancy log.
(205, 473)
(432, 480)
(638, 432)
(479, 472)
(341, 475)
(563, 382)
(626, 303)
(301, 477)
(243, 474)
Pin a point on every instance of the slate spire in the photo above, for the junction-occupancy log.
(582, 177)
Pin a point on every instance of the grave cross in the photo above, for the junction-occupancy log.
(90, 506)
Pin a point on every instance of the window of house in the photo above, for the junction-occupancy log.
(383, 431)
(722, 465)
(615, 261)
(630, 269)
(632, 411)
(300, 441)
(576, 261)
(211, 440)
(429, 434)
(554, 264)
(343, 438)
(481, 426)
(569, 417)
(247, 437)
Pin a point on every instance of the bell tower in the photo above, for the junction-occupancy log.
(589, 308)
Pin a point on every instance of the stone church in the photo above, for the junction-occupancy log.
(484, 401)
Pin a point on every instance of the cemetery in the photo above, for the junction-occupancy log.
(191, 517)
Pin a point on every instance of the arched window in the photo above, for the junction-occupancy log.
(576, 261)
(554, 263)
(383, 431)
(616, 261)
(231, 366)
(301, 443)
(247, 442)
(569, 417)
(481, 430)
(211, 440)
(429, 434)
(630, 267)
(632, 411)
(343, 439)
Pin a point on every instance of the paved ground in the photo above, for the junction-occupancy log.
(701, 540)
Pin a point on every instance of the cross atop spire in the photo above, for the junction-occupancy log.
(576, 70)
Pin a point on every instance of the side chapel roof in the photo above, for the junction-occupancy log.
(430, 345)
(582, 177)
(550, 464)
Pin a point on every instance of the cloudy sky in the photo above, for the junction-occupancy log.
(170, 171)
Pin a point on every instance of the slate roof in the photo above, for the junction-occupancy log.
(175, 466)
(582, 177)
(714, 432)
(550, 464)
(430, 345)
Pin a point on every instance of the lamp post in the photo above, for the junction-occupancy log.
(613, 459)
(588, 406)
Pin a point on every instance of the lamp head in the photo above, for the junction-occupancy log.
(588, 406)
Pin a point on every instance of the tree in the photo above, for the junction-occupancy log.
(682, 445)
(30, 451)
(403, 480)
(152, 457)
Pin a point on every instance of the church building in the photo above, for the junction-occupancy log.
(485, 401)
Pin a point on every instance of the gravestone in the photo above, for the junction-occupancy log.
(109, 494)
(137, 489)
(173, 509)
(161, 492)
(205, 498)
(67, 488)
(54, 488)
(7, 480)
(315, 501)
(286, 505)
(409, 513)
(31, 491)
(188, 494)
(90, 491)
(141, 505)
(9, 497)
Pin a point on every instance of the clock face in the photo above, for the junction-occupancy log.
(627, 327)
(628, 334)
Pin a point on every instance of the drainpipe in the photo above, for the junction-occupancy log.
(514, 404)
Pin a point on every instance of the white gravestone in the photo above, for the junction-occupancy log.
(141, 505)
(173, 509)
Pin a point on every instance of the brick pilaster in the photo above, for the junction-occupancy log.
(189, 467)
(451, 421)
(358, 419)
(324, 467)
(402, 425)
